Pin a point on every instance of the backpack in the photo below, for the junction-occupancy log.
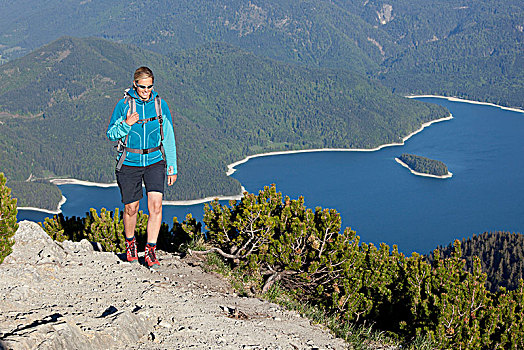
(122, 144)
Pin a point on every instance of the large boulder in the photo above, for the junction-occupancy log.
(44, 299)
(33, 246)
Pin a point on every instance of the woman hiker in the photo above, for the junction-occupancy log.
(142, 124)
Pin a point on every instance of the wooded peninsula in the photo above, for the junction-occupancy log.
(226, 104)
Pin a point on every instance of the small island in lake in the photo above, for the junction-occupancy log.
(424, 166)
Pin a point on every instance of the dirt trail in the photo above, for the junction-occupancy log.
(70, 296)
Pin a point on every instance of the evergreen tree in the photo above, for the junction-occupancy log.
(8, 224)
(501, 256)
(268, 238)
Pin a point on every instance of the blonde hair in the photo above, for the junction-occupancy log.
(143, 73)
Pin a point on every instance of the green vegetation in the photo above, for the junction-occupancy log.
(359, 337)
(26, 193)
(467, 51)
(226, 104)
(229, 103)
(501, 255)
(8, 224)
(266, 241)
(424, 165)
(439, 47)
(107, 229)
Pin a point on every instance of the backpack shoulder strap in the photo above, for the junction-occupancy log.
(131, 101)
(122, 143)
(158, 108)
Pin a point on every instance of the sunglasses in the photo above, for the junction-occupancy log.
(143, 87)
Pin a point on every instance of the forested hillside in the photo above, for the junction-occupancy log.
(310, 32)
(467, 48)
(226, 104)
(501, 255)
(248, 103)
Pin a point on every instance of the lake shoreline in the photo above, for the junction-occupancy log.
(456, 99)
(231, 170)
(231, 167)
(447, 176)
(64, 181)
(207, 199)
(55, 212)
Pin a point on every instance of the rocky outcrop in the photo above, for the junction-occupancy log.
(70, 295)
(385, 14)
(47, 305)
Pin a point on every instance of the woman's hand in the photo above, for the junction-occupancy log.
(132, 119)
(171, 179)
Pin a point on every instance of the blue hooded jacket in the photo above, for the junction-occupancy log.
(144, 135)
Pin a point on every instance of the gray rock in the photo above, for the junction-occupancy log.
(78, 247)
(62, 333)
(127, 328)
(33, 246)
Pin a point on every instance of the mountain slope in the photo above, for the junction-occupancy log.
(501, 255)
(479, 55)
(226, 104)
(311, 32)
(466, 48)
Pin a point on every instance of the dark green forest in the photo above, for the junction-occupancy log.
(226, 104)
(467, 49)
(293, 75)
(501, 255)
(26, 190)
(424, 165)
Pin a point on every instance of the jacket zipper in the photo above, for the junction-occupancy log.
(144, 129)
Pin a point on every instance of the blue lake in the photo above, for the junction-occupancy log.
(483, 146)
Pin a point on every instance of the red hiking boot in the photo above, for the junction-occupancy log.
(150, 257)
(131, 251)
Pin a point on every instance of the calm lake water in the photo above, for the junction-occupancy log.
(483, 146)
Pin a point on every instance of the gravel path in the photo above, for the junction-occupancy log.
(70, 296)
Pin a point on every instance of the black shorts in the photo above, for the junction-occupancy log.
(130, 178)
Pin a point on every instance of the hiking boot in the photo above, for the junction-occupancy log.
(131, 251)
(150, 257)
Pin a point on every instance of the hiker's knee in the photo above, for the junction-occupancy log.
(132, 208)
(155, 208)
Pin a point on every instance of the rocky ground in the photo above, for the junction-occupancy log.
(71, 296)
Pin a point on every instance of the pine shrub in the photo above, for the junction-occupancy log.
(107, 229)
(8, 223)
(276, 240)
(183, 236)
(305, 251)
(61, 229)
(55, 228)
